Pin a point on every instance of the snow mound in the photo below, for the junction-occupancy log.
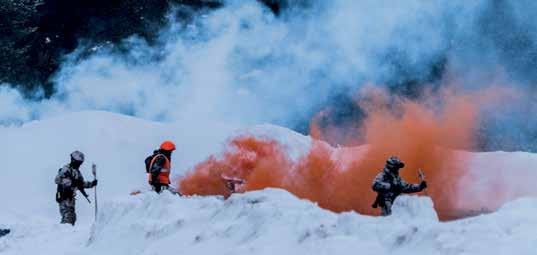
(411, 207)
(262, 222)
(273, 221)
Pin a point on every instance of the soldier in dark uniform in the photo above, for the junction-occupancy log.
(389, 185)
(69, 179)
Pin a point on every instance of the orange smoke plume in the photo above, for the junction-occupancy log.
(422, 133)
(248, 158)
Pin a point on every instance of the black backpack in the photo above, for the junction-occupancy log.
(148, 161)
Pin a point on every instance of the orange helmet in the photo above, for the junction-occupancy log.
(167, 146)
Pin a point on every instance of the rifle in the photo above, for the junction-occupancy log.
(380, 201)
(80, 187)
(377, 202)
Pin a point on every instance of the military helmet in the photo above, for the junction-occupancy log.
(77, 156)
(394, 162)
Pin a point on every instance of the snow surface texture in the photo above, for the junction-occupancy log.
(275, 222)
(264, 222)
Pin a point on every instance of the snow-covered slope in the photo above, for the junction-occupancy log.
(263, 222)
(32, 154)
(275, 222)
(118, 144)
(505, 174)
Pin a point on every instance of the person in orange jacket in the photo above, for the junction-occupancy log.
(158, 167)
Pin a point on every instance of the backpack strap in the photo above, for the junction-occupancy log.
(153, 161)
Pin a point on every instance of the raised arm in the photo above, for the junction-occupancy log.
(410, 188)
(82, 184)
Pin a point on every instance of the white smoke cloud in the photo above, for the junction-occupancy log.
(242, 65)
(13, 107)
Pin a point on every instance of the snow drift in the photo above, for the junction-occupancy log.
(275, 222)
(259, 222)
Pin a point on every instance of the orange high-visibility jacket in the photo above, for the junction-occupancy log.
(164, 175)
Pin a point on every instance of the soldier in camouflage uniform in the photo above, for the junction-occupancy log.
(69, 179)
(389, 185)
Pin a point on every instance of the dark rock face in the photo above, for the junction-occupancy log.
(18, 25)
(37, 33)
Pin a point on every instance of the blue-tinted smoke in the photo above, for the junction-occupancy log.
(241, 64)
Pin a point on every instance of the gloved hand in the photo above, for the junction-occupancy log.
(94, 183)
(423, 185)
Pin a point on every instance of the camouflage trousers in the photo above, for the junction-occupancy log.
(67, 211)
(386, 208)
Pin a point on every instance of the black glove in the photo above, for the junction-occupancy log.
(94, 183)
(423, 185)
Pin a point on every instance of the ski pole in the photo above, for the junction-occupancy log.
(94, 171)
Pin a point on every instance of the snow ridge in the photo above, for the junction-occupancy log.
(273, 221)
